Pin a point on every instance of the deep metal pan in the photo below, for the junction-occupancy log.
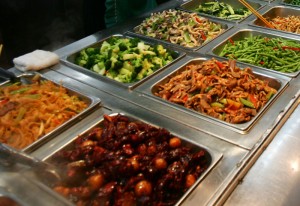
(273, 82)
(244, 33)
(70, 60)
(193, 4)
(212, 156)
(91, 101)
(281, 11)
(223, 25)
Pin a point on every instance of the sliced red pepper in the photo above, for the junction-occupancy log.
(56, 121)
(198, 20)
(3, 101)
(203, 36)
(253, 99)
(231, 41)
(291, 48)
(185, 98)
(220, 65)
(261, 62)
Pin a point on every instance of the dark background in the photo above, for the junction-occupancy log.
(26, 25)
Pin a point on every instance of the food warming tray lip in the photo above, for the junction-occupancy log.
(193, 4)
(213, 156)
(277, 84)
(286, 2)
(70, 59)
(275, 11)
(91, 101)
(224, 26)
(242, 33)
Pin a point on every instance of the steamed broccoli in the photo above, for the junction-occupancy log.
(111, 73)
(160, 50)
(124, 76)
(99, 68)
(157, 61)
(92, 51)
(131, 56)
(124, 59)
(123, 46)
(146, 70)
(105, 47)
(134, 42)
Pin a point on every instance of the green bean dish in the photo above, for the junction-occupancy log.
(277, 54)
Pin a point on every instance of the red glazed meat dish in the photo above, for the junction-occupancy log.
(125, 162)
(218, 89)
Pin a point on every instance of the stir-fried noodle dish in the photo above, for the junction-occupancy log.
(218, 89)
(29, 111)
(179, 27)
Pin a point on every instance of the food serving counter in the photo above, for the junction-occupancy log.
(232, 148)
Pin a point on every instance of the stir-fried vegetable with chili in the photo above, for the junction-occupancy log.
(218, 89)
(273, 53)
(125, 60)
(223, 10)
(179, 27)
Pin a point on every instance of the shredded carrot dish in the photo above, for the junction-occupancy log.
(29, 111)
(218, 89)
(289, 23)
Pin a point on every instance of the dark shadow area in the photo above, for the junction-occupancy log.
(32, 24)
(27, 25)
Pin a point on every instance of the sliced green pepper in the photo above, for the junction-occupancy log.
(217, 104)
(223, 101)
(20, 91)
(269, 95)
(207, 89)
(187, 37)
(21, 114)
(33, 96)
(247, 103)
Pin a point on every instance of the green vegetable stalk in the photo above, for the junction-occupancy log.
(273, 53)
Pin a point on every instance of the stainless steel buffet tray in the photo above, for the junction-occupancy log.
(288, 3)
(279, 85)
(190, 6)
(244, 33)
(91, 101)
(277, 11)
(70, 60)
(212, 156)
(224, 26)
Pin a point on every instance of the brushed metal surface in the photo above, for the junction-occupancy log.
(265, 181)
(274, 179)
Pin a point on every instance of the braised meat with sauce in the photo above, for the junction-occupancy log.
(128, 162)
